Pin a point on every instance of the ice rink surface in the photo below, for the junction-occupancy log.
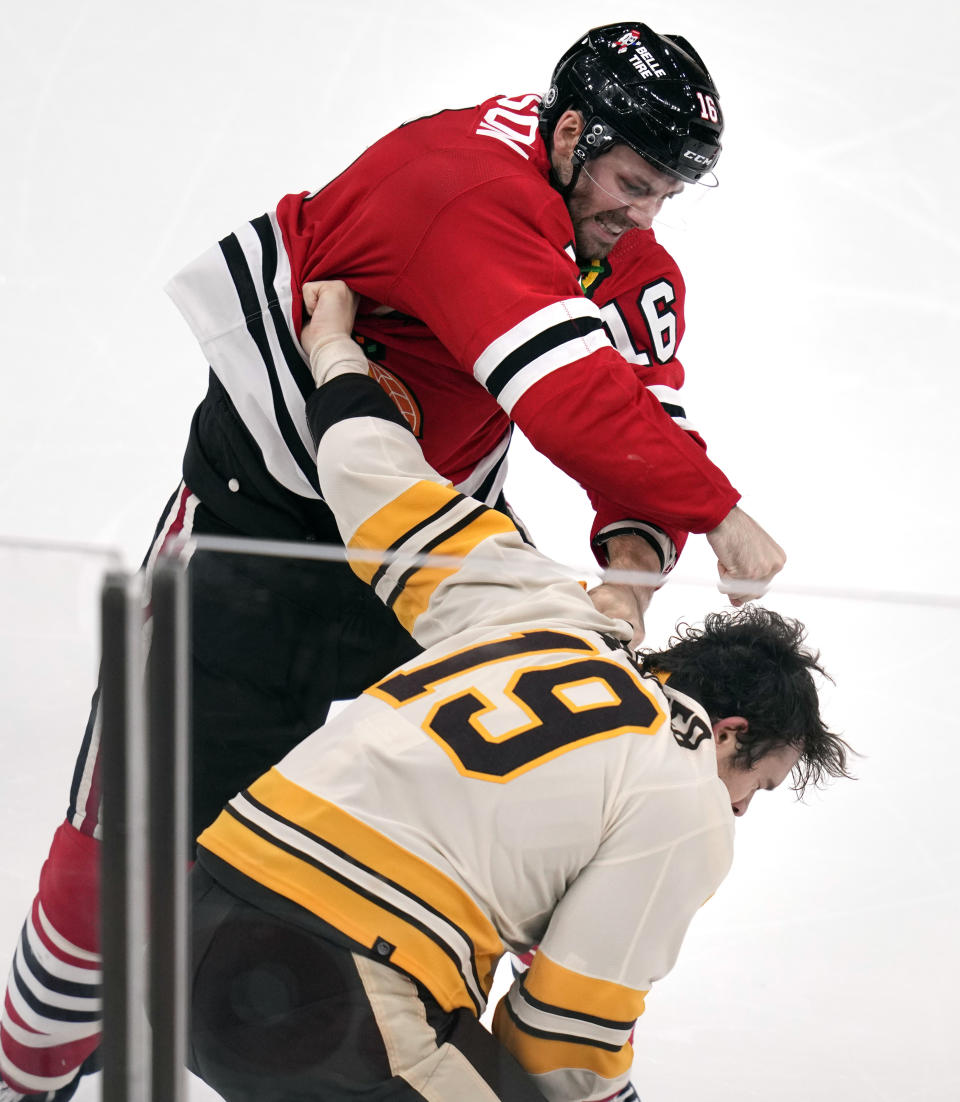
(821, 353)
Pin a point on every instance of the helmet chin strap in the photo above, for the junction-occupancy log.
(566, 189)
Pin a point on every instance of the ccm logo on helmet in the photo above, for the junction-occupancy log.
(698, 158)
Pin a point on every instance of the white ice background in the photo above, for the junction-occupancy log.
(821, 353)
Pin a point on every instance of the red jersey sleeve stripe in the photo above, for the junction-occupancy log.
(551, 338)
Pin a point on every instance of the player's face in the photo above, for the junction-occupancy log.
(616, 192)
(743, 783)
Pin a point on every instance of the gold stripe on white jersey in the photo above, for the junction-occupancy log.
(556, 1019)
(310, 851)
(421, 586)
(410, 512)
(556, 985)
(390, 524)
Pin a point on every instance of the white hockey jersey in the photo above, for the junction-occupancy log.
(519, 783)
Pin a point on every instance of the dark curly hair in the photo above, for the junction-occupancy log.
(751, 663)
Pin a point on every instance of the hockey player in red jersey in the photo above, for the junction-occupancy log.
(508, 274)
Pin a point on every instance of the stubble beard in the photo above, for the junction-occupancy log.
(588, 241)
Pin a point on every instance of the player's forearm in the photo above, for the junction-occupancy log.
(550, 1006)
(368, 461)
(631, 554)
(612, 521)
(385, 496)
(606, 431)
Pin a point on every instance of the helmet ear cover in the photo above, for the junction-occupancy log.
(595, 139)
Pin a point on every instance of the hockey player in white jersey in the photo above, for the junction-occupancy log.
(526, 780)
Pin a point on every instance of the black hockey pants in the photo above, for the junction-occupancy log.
(280, 1013)
(273, 642)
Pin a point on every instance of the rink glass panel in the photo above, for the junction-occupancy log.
(49, 647)
(825, 964)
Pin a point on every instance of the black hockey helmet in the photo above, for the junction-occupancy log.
(651, 92)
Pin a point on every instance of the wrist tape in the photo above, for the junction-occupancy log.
(336, 355)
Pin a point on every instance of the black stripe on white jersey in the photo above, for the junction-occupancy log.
(411, 532)
(368, 883)
(553, 1025)
(563, 1012)
(450, 530)
(551, 338)
(345, 397)
(491, 485)
(292, 355)
(423, 537)
(485, 482)
(253, 315)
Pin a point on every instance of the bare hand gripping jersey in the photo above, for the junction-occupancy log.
(474, 313)
(518, 783)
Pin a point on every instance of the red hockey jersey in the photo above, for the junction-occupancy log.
(475, 313)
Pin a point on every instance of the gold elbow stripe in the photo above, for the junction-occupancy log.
(564, 1019)
(392, 525)
(552, 984)
(540, 1054)
(421, 585)
(395, 527)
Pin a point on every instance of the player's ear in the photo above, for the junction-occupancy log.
(727, 732)
(566, 132)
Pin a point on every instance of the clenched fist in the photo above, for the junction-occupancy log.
(747, 557)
